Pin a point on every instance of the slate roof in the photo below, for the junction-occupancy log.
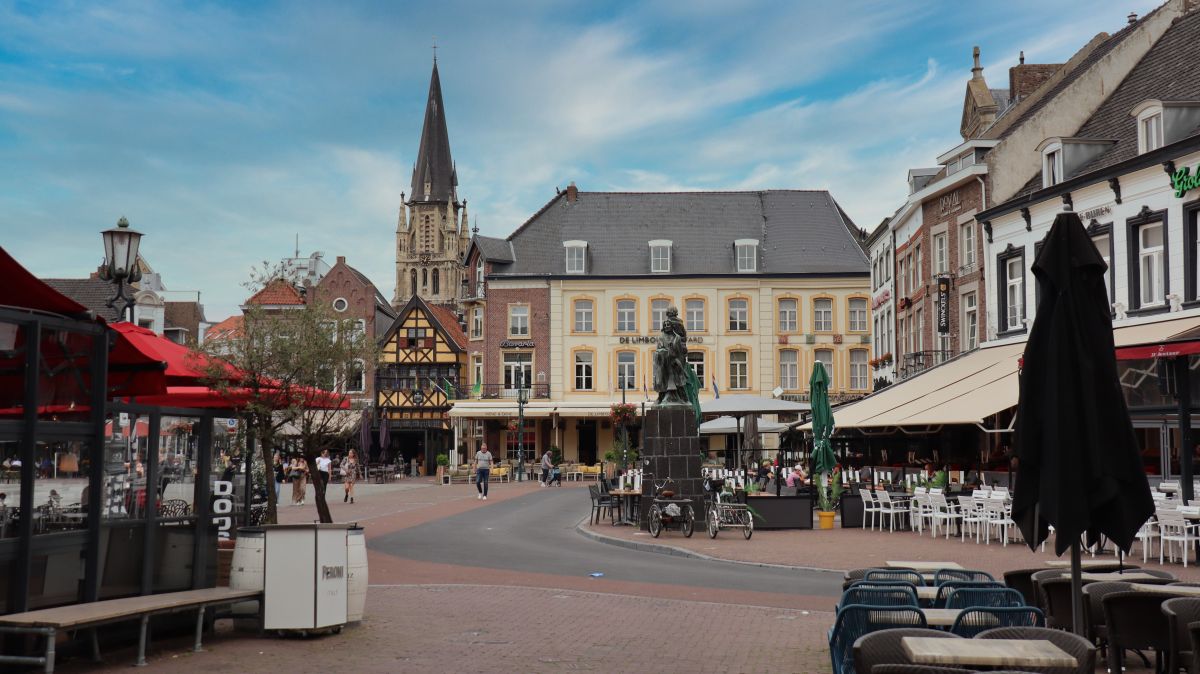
(799, 232)
(1167, 72)
(380, 301)
(494, 249)
(434, 163)
(92, 293)
(277, 292)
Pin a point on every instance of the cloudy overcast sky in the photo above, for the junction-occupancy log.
(224, 130)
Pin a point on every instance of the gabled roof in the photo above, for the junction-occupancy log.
(380, 302)
(230, 328)
(442, 318)
(799, 232)
(492, 249)
(92, 293)
(277, 292)
(434, 164)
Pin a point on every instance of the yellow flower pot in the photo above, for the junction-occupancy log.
(825, 519)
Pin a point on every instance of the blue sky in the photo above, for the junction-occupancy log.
(223, 130)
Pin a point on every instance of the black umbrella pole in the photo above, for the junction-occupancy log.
(1183, 392)
(1076, 591)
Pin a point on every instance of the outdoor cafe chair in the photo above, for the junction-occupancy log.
(885, 584)
(1075, 645)
(1093, 608)
(1146, 535)
(870, 507)
(883, 647)
(1055, 600)
(890, 509)
(948, 587)
(973, 516)
(918, 510)
(907, 575)
(943, 512)
(1021, 580)
(973, 597)
(1194, 640)
(942, 575)
(879, 595)
(975, 620)
(852, 576)
(600, 503)
(1135, 621)
(1174, 528)
(857, 620)
(1180, 612)
(997, 513)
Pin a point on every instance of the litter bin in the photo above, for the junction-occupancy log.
(305, 571)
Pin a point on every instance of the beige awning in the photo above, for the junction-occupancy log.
(973, 387)
(504, 409)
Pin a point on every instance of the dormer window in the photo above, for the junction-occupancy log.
(1149, 115)
(576, 256)
(660, 256)
(747, 255)
(1052, 165)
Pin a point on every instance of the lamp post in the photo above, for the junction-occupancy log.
(120, 264)
(522, 399)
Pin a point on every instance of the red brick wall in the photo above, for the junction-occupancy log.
(341, 282)
(1024, 79)
(495, 330)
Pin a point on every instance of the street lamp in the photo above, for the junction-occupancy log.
(120, 264)
(522, 399)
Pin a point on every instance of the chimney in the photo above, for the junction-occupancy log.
(1132, 18)
(341, 259)
(977, 70)
(1025, 78)
(572, 193)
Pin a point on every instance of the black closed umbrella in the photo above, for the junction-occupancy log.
(1079, 466)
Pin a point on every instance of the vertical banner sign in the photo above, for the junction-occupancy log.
(943, 304)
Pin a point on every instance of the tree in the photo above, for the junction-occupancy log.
(287, 363)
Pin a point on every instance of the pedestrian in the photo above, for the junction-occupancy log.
(298, 474)
(279, 479)
(547, 465)
(349, 476)
(324, 466)
(483, 467)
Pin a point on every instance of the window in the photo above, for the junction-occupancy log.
(823, 315)
(583, 316)
(356, 377)
(940, 253)
(658, 313)
(436, 282)
(1103, 243)
(739, 370)
(412, 274)
(626, 370)
(518, 320)
(340, 304)
(1150, 264)
(966, 245)
(859, 380)
(739, 315)
(695, 315)
(902, 336)
(695, 360)
(477, 371)
(825, 358)
(417, 338)
(902, 276)
(660, 257)
(477, 322)
(970, 324)
(1052, 171)
(747, 254)
(583, 370)
(1012, 293)
(576, 256)
(858, 315)
(915, 281)
(626, 316)
(787, 315)
(1151, 132)
(919, 330)
(789, 370)
(518, 371)
(522, 443)
(479, 277)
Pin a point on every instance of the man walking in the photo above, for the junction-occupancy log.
(547, 465)
(483, 468)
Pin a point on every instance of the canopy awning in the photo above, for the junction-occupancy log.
(973, 387)
(1166, 342)
(739, 405)
(505, 409)
(24, 290)
(203, 397)
(729, 425)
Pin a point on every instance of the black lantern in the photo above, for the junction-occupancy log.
(120, 263)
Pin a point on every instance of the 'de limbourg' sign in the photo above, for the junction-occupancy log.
(1183, 181)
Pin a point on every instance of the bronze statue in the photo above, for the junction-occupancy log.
(674, 379)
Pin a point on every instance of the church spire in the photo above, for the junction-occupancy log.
(434, 178)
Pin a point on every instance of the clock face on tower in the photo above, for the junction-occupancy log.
(425, 257)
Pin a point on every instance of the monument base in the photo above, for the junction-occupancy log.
(672, 448)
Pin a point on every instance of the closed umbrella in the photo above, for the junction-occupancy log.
(822, 420)
(364, 435)
(385, 440)
(1079, 466)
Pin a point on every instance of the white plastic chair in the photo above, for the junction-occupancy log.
(973, 516)
(943, 512)
(890, 509)
(998, 515)
(1173, 527)
(870, 507)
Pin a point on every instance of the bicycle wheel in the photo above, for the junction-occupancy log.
(748, 522)
(714, 522)
(654, 520)
(689, 521)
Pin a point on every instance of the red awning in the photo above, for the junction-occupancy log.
(24, 290)
(232, 399)
(1162, 350)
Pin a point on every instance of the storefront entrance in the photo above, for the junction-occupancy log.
(587, 441)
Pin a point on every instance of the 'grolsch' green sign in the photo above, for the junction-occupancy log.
(1183, 180)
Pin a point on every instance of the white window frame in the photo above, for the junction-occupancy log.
(698, 365)
(585, 371)
(966, 243)
(858, 317)
(1104, 255)
(1014, 293)
(576, 256)
(744, 311)
(860, 378)
(1149, 115)
(822, 318)
(477, 370)
(1052, 166)
(626, 318)
(746, 255)
(626, 370)
(789, 319)
(789, 369)
(941, 253)
(477, 323)
(657, 316)
(1150, 266)
(660, 256)
(518, 320)
(518, 370)
(970, 325)
(698, 324)
(739, 370)
(362, 377)
(827, 365)
(583, 320)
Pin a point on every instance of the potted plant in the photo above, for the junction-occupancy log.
(829, 490)
(442, 462)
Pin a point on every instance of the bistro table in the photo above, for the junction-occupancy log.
(928, 592)
(629, 514)
(924, 566)
(1083, 562)
(1130, 576)
(1176, 590)
(990, 652)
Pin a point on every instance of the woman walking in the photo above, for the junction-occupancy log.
(298, 472)
(349, 476)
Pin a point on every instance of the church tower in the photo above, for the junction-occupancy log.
(432, 233)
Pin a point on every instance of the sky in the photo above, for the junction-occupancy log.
(224, 131)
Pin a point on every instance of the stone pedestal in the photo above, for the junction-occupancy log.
(672, 448)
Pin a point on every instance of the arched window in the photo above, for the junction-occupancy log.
(413, 276)
(424, 278)
(436, 282)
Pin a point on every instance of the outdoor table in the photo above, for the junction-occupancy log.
(924, 566)
(1130, 576)
(940, 617)
(627, 508)
(990, 652)
(1176, 590)
(928, 592)
(1083, 562)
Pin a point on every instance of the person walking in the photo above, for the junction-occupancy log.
(349, 476)
(298, 473)
(483, 467)
(278, 470)
(547, 466)
(324, 466)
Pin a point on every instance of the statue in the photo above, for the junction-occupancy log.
(674, 379)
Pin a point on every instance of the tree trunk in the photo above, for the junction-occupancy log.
(268, 456)
(318, 480)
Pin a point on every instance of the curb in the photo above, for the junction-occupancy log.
(673, 551)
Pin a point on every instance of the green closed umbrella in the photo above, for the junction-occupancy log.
(822, 420)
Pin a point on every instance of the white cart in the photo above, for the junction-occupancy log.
(304, 584)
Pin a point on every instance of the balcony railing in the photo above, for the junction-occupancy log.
(914, 363)
(502, 391)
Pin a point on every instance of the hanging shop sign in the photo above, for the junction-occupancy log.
(517, 344)
(943, 304)
(1183, 181)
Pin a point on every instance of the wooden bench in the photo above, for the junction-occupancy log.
(47, 622)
